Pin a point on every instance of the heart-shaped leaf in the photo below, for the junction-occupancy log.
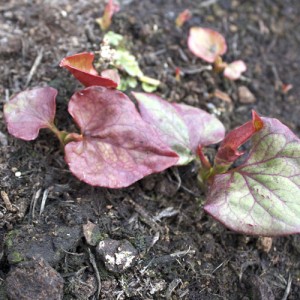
(182, 127)
(116, 147)
(206, 43)
(234, 70)
(262, 196)
(204, 129)
(81, 66)
(29, 111)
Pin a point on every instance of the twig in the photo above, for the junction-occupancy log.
(154, 240)
(7, 202)
(208, 3)
(172, 286)
(34, 200)
(146, 218)
(93, 263)
(288, 288)
(225, 262)
(34, 66)
(172, 257)
(77, 273)
(177, 176)
(166, 213)
(6, 95)
(198, 70)
(44, 199)
(179, 254)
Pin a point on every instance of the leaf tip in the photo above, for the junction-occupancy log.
(257, 121)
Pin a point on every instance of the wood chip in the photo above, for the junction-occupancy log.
(222, 95)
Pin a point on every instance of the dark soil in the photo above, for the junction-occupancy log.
(183, 254)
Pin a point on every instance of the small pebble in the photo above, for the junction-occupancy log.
(245, 96)
(117, 255)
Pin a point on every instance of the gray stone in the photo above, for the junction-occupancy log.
(117, 255)
(36, 280)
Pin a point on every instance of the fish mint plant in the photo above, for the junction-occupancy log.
(114, 147)
(253, 192)
(261, 196)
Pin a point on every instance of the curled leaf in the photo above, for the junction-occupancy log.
(228, 151)
(234, 70)
(81, 66)
(182, 127)
(204, 129)
(112, 74)
(110, 9)
(183, 17)
(116, 147)
(206, 43)
(262, 196)
(29, 111)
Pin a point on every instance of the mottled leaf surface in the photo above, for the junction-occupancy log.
(262, 196)
(116, 147)
(81, 67)
(168, 123)
(29, 111)
(204, 128)
(182, 127)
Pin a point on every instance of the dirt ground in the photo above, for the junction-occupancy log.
(178, 251)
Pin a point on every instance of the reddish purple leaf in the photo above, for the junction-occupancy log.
(81, 66)
(183, 17)
(204, 128)
(112, 74)
(182, 127)
(111, 8)
(29, 111)
(262, 196)
(116, 147)
(228, 151)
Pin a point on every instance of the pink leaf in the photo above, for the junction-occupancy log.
(81, 66)
(116, 147)
(204, 128)
(183, 17)
(228, 151)
(206, 43)
(234, 70)
(111, 74)
(111, 8)
(180, 126)
(29, 111)
(262, 196)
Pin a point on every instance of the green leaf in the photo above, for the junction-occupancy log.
(127, 82)
(148, 87)
(127, 62)
(262, 196)
(168, 123)
(113, 39)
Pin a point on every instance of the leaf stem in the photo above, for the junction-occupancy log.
(61, 135)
